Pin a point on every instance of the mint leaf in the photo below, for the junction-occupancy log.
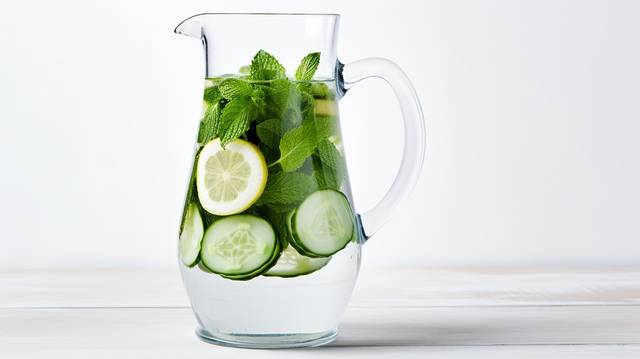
(232, 88)
(286, 188)
(291, 118)
(330, 167)
(325, 126)
(299, 143)
(265, 67)
(308, 67)
(326, 177)
(285, 100)
(258, 97)
(307, 106)
(210, 125)
(270, 154)
(236, 118)
(280, 95)
(307, 166)
(329, 154)
(238, 127)
(304, 86)
(212, 94)
(269, 132)
(295, 146)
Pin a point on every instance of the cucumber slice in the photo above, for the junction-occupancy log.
(326, 108)
(239, 245)
(292, 264)
(203, 268)
(323, 224)
(190, 236)
(293, 241)
(264, 268)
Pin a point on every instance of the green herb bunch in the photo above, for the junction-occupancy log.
(292, 121)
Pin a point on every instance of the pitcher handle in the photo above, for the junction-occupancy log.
(414, 133)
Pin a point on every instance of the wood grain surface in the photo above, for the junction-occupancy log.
(412, 313)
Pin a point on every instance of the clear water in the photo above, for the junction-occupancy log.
(306, 304)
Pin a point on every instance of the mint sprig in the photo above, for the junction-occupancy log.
(286, 187)
(212, 94)
(288, 121)
(232, 88)
(329, 154)
(301, 142)
(264, 66)
(308, 67)
(236, 118)
(295, 146)
(269, 132)
(330, 168)
(210, 125)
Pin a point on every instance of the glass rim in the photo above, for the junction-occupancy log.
(268, 14)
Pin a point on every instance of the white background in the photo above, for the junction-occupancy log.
(533, 111)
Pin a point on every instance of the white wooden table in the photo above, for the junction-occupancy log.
(394, 313)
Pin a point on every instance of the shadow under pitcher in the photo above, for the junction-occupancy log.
(269, 243)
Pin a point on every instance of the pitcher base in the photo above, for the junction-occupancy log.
(267, 341)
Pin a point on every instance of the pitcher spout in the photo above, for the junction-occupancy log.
(190, 26)
(289, 37)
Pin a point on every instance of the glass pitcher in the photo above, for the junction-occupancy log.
(269, 243)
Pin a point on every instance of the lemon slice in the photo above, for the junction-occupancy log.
(230, 180)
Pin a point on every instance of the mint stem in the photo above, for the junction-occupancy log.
(273, 164)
